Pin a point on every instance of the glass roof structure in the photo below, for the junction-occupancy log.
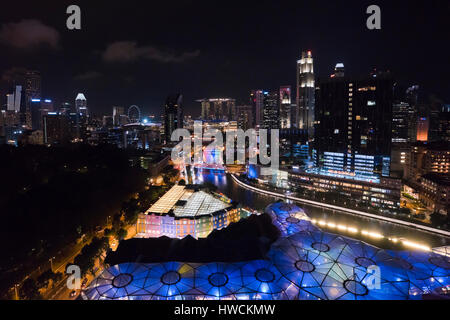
(187, 203)
(168, 200)
(304, 263)
(198, 204)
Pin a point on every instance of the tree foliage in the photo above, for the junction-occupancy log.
(53, 196)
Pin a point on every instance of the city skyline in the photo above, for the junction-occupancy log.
(129, 64)
(265, 150)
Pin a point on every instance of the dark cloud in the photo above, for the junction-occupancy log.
(128, 51)
(10, 74)
(29, 33)
(89, 75)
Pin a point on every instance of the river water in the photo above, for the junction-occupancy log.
(258, 201)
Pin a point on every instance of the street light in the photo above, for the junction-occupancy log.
(16, 291)
(51, 263)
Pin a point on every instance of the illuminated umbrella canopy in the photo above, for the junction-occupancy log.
(262, 280)
(219, 280)
(305, 263)
(169, 280)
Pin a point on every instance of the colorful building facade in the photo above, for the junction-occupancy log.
(182, 212)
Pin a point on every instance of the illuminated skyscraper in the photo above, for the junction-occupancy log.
(271, 111)
(305, 93)
(81, 105)
(15, 99)
(32, 85)
(354, 124)
(285, 107)
(173, 115)
(423, 125)
(256, 101)
(245, 119)
(81, 115)
(117, 113)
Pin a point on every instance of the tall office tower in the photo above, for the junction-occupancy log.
(32, 85)
(339, 71)
(117, 113)
(66, 108)
(10, 104)
(245, 118)
(423, 126)
(80, 117)
(35, 111)
(206, 109)
(15, 99)
(57, 129)
(305, 93)
(32, 90)
(108, 122)
(444, 123)
(271, 111)
(173, 115)
(402, 122)
(38, 109)
(285, 107)
(412, 98)
(18, 100)
(256, 101)
(81, 105)
(353, 130)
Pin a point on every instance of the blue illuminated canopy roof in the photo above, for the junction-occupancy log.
(304, 263)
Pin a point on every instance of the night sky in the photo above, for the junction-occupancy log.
(137, 52)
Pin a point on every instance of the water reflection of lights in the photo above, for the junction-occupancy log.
(371, 234)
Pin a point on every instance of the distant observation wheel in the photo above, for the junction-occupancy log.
(134, 114)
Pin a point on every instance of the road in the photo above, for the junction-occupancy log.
(62, 292)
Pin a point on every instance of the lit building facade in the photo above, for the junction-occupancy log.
(305, 93)
(305, 263)
(271, 111)
(173, 115)
(57, 128)
(435, 192)
(81, 105)
(118, 112)
(403, 123)
(257, 103)
(427, 158)
(423, 126)
(378, 192)
(285, 107)
(245, 119)
(353, 126)
(185, 212)
(223, 109)
(32, 86)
